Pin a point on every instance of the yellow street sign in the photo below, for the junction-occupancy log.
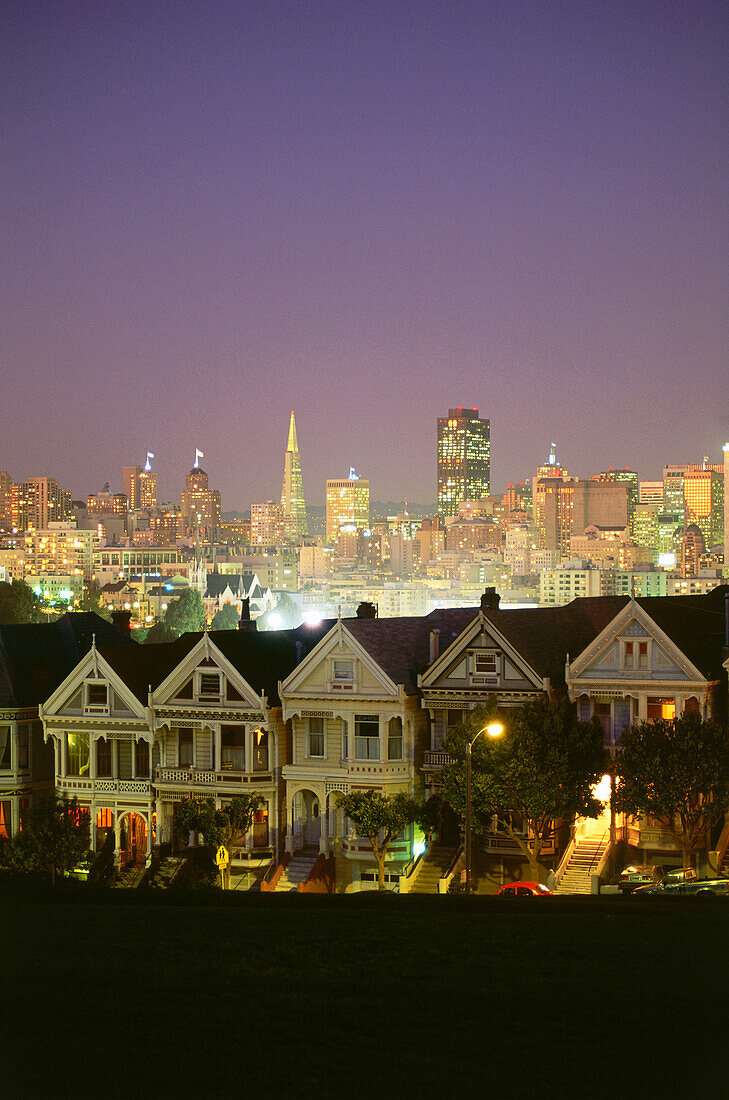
(222, 858)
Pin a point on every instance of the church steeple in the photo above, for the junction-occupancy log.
(292, 492)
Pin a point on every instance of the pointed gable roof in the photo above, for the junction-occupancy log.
(36, 657)
(695, 624)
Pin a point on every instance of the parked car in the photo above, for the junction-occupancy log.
(684, 881)
(523, 890)
(637, 875)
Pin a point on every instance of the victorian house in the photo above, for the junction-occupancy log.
(659, 657)
(34, 659)
(357, 724)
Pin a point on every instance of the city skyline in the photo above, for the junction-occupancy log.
(369, 216)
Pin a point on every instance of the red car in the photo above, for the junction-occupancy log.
(523, 890)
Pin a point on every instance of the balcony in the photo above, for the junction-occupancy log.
(190, 777)
(434, 761)
(84, 787)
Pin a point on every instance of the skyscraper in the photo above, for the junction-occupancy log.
(348, 505)
(140, 485)
(292, 492)
(464, 459)
(199, 505)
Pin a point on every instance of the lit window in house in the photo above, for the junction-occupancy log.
(316, 736)
(366, 737)
(77, 757)
(260, 750)
(660, 708)
(635, 655)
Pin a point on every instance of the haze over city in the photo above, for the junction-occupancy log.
(369, 214)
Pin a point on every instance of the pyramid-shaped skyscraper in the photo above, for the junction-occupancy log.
(292, 493)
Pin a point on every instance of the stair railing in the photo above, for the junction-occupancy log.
(564, 862)
(718, 856)
(598, 853)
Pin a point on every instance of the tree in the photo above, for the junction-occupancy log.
(159, 632)
(381, 819)
(186, 613)
(54, 838)
(218, 826)
(542, 770)
(225, 619)
(92, 600)
(677, 771)
(18, 603)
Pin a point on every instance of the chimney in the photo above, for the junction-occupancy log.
(367, 610)
(245, 622)
(490, 600)
(434, 645)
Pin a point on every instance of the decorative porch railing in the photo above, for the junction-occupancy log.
(436, 759)
(74, 785)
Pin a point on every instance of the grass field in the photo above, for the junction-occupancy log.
(293, 995)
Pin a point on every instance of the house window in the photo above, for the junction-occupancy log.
(343, 675)
(141, 759)
(660, 708)
(5, 821)
(5, 748)
(366, 737)
(103, 757)
(484, 667)
(316, 736)
(23, 729)
(77, 758)
(233, 748)
(208, 686)
(260, 750)
(185, 748)
(97, 697)
(635, 654)
(394, 739)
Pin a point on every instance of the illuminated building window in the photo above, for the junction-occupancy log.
(77, 755)
(661, 708)
(260, 750)
(5, 821)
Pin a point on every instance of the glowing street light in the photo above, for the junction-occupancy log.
(493, 729)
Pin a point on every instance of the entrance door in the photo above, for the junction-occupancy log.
(133, 841)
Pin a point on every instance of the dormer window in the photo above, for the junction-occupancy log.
(342, 675)
(96, 698)
(484, 667)
(209, 687)
(635, 654)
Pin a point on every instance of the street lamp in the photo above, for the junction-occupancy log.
(493, 729)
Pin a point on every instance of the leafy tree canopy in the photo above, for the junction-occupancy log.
(543, 768)
(55, 837)
(186, 613)
(19, 603)
(92, 600)
(677, 771)
(380, 819)
(225, 619)
(218, 826)
(159, 632)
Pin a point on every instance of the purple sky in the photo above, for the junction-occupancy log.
(367, 212)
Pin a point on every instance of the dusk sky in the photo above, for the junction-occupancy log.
(214, 213)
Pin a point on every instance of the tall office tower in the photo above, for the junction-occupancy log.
(626, 477)
(693, 548)
(292, 492)
(348, 505)
(199, 505)
(703, 501)
(464, 459)
(673, 491)
(106, 503)
(140, 485)
(267, 524)
(650, 492)
(645, 525)
(42, 502)
(6, 501)
(726, 510)
(546, 481)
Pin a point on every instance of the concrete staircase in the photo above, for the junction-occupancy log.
(298, 870)
(131, 877)
(431, 867)
(577, 875)
(167, 871)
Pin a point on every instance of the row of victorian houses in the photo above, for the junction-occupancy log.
(299, 716)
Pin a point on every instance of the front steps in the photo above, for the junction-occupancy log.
(583, 863)
(298, 870)
(432, 867)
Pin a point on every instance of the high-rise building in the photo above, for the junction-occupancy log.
(726, 509)
(292, 492)
(629, 479)
(348, 505)
(267, 524)
(464, 459)
(199, 505)
(6, 501)
(140, 485)
(41, 502)
(703, 501)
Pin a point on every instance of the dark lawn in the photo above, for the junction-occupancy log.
(290, 995)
